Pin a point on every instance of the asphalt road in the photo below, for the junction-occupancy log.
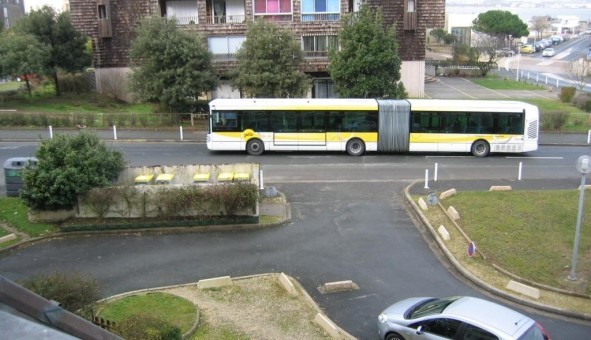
(350, 222)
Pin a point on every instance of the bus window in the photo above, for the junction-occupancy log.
(283, 121)
(424, 122)
(335, 121)
(312, 121)
(255, 120)
(225, 121)
(360, 122)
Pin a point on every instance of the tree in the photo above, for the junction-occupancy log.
(540, 24)
(442, 36)
(500, 24)
(22, 56)
(67, 46)
(170, 67)
(579, 71)
(367, 64)
(269, 63)
(69, 166)
(73, 291)
(485, 54)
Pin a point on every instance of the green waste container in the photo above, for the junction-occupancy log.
(13, 169)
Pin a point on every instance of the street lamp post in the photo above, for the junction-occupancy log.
(583, 167)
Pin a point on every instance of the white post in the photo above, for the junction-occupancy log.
(181, 131)
(435, 174)
(51, 132)
(537, 78)
(114, 132)
(527, 75)
(588, 136)
(520, 169)
(556, 82)
(546, 80)
(517, 73)
(261, 186)
(426, 178)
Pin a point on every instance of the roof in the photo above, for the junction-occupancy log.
(496, 316)
(26, 315)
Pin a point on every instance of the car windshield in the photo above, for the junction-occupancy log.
(535, 332)
(431, 307)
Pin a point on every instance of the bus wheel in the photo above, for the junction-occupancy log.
(255, 147)
(355, 147)
(480, 148)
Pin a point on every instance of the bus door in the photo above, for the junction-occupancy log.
(285, 131)
(311, 131)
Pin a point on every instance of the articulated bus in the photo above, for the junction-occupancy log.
(360, 125)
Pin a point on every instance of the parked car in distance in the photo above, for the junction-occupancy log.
(505, 52)
(556, 39)
(549, 52)
(527, 49)
(539, 46)
(455, 317)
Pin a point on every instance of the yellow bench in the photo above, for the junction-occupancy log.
(143, 179)
(164, 178)
(226, 177)
(241, 176)
(201, 178)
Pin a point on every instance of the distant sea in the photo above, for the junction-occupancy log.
(524, 14)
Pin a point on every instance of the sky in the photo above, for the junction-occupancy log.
(36, 4)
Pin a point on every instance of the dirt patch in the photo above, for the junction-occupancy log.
(257, 307)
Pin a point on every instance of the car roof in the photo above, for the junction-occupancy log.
(482, 312)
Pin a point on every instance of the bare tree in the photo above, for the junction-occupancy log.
(487, 54)
(579, 71)
(540, 24)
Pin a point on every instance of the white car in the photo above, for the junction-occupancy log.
(424, 318)
(549, 52)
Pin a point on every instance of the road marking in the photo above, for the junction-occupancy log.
(545, 63)
(516, 157)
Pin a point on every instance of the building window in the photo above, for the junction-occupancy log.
(323, 88)
(103, 9)
(321, 10)
(410, 15)
(273, 10)
(318, 45)
(185, 12)
(225, 48)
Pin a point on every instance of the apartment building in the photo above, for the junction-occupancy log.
(314, 23)
(11, 11)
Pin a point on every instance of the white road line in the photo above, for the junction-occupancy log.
(515, 157)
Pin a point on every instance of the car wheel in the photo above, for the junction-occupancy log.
(394, 336)
(255, 147)
(480, 148)
(355, 147)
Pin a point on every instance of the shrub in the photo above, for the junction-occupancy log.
(73, 291)
(147, 327)
(68, 166)
(553, 120)
(73, 83)
(567, 93)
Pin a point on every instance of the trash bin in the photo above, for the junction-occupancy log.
(13, 169)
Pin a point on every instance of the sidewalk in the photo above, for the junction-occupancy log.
(199, 136)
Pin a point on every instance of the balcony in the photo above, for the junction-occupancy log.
(315, 54)
(275, 17)
(226, 19)
(190, 20)
(308, 17)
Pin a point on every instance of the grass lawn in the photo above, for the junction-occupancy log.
(171, 308)
(10, 86)
(529, 233)
(14, 212)
(497, 83)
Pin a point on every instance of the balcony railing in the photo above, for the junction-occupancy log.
(224, 57)
(226, 19)
(275, 17)
(307, 17)
(315, 54)
(185, 20)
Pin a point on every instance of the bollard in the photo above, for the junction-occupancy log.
(589, 137)
(435, 174)
(557, 83)
(50, 132)
(181, 131)
(261, 186)
(520, 169)
(114, 132)
(426, 179)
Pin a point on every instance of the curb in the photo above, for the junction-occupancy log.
(476, 280)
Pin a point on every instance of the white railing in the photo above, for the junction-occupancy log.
(320, 17)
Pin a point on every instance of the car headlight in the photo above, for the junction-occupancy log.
(383, 318)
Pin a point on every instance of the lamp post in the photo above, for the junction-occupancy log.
(583, 167)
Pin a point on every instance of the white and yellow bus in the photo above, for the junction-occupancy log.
(360, 125)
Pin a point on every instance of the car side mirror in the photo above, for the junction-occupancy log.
(420, 330)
